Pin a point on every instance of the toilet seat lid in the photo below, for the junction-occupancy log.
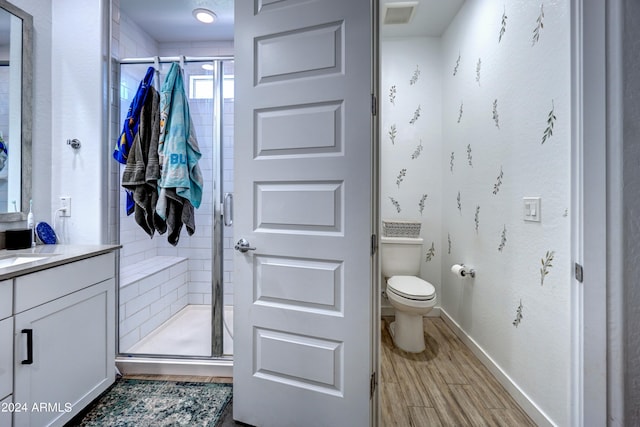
(411, 287)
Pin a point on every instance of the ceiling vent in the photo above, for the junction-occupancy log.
(400, 12)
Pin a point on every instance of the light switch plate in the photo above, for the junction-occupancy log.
(531, 208)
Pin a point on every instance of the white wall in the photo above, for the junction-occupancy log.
(79, 73)
(401, 59)
(528, 81)
(492, 157)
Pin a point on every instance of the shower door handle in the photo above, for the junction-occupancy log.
(243, 246)
(227, 209)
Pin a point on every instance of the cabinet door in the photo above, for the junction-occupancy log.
(6, 299)
(72, 355)
(6, 358)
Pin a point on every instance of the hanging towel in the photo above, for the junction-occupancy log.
(177, 212)
(130, 127)
(181, 179)
(4, 152)
(142, 171)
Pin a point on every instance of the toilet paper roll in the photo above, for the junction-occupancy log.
(458, 270)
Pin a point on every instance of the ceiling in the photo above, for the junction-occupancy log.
(431, 19)
(172, 20)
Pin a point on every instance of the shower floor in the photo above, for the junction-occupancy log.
(187, 333)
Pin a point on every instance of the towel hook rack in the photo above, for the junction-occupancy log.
(74, 143)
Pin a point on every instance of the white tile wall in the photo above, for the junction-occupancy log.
(129, 41)
(151, 292)
(137, 246)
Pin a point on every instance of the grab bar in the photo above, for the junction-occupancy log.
(227, 209)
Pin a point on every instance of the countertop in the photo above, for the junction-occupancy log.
(54, 255)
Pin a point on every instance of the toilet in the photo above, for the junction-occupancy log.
(411, 296)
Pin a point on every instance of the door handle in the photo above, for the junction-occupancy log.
(227, 209)
(243, 246)
(29, 359)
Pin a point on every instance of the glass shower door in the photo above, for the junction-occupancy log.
(170, 298)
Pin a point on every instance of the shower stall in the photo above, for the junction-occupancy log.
(176, 302)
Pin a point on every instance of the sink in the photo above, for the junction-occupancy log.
(19, 259)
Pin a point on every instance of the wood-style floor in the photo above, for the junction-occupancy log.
(446, 385)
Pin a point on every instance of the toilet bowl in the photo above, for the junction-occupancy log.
(411, 296)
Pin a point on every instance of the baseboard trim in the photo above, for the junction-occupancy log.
(196, 367)
(536, 414)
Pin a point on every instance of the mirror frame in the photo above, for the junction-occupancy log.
(27, 112)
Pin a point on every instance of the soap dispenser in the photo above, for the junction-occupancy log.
(31, 224)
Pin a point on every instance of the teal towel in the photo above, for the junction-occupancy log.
(178, 147)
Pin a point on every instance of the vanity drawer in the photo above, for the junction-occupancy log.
(43, 286)
(6, 357)
(6, 299)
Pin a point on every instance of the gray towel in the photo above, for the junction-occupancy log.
(179, 212)
(142, 172)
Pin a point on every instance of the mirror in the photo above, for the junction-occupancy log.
(16, 119)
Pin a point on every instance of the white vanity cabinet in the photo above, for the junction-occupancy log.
(6, 350)
(64, 346)
(6, 357)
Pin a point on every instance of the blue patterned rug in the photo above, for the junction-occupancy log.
(146, 403)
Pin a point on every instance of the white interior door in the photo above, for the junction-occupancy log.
(303, 191)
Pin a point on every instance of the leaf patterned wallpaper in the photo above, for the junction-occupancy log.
(481, 118)
(411, 142)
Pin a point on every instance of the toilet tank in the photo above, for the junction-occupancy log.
(400, 256)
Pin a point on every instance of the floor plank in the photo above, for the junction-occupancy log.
(394, 412)
(413, 391)
(449, 346)
(419, 417)
(474, 413)
(446, 385)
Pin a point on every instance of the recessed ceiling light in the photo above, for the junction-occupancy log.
(207, 67)
(204, 15)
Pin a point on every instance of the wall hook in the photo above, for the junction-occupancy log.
(74, 143)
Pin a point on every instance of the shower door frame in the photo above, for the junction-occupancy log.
(217, 258)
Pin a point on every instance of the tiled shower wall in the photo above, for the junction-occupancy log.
(129, 41)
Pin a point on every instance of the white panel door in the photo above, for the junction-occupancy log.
(303, 192)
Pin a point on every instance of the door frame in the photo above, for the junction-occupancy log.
(595, 221)
(376, 335)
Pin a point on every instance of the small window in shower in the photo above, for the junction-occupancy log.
(201, 87)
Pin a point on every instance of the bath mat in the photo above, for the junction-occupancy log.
(150, 403)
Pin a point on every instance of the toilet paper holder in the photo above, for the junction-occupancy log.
(463, 271)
